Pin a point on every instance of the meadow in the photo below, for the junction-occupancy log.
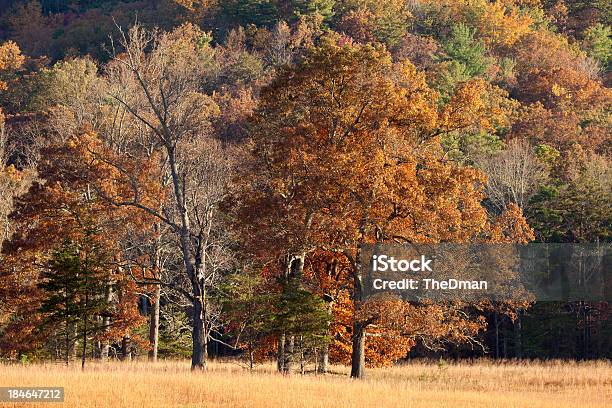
(477, 384)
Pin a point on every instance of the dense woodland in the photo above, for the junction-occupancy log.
(195, 178)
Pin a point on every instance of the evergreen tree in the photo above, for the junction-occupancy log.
(74, 295)
(465, 58)
(324, 8)
(463, 48)
(244, 12)
(598, 44)
(292, 313)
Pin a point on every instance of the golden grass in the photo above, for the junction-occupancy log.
(419, 385)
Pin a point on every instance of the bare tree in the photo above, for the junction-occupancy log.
(157, 82)
(514, 175)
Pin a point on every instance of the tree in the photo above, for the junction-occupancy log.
(324, 8)
(30, 28)
(365, 20)
(598, 44)
(161, 89)
(499, 23)
(578, 208)
(67, 235)
(513, 175)
(247, 305)
(463, 48)
(74, 289)
(465, 59)
(258, 12)
(301, 319)
(13, 181)
(565, 101)
(583, 14)
(258, 310)
(502, 26)
(71, 91)
(11, 60)
(347, 152)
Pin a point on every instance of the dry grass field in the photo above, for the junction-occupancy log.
(417, 385)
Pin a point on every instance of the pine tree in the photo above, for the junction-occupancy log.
(308, 7)
(74, 288)
(261, 310)
(465, 58)
(598, 44)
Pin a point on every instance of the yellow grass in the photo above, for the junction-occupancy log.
(418, 385)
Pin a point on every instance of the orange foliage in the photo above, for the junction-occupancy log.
(567, 102)
(499, 23)
(511, 227)
(501, 26)
(10, 56)
(66, 205)
(11, 60)
(349, 154)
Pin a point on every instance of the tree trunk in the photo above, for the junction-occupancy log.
(505, 344)
(289, 354)
(251, 356)
(199, 352)
(126, 348)
(84, 350)
(280, 357)
(154, 324)
(294, 268)
(323, 360)
(518, 341)
(322, 356)
(358, 354)
(104, 351)
(193, 263)
(302, 361)
(106, 322)
(496, 334)
(70, 342)
(200, 336)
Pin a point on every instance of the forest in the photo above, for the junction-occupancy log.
(195, 178)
